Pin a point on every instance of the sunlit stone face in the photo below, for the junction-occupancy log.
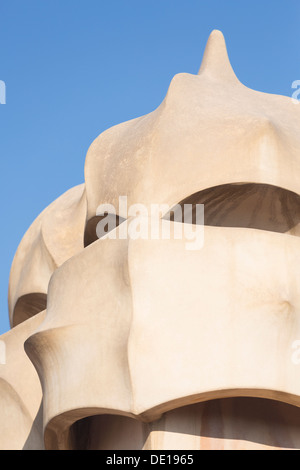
(139, 328)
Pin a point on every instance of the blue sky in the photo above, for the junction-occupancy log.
(74, 68)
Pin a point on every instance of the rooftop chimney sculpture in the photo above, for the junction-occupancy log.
(121, 341)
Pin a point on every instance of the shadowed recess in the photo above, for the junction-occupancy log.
(248, 205)
(244, 205)
(237, 422)
(29, 305)
(90, 234)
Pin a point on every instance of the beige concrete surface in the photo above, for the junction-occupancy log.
(54, 237)
(145, 343)
(21, 424)
(225, 424)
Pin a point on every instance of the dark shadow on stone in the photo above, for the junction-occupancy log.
(256, 420)
(29, 305)
(248, 205)
(90, 233)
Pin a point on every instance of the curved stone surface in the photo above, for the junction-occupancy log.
(210, 130)
(225, 424)
(55, 236)
(154, 346)
(156, 327)
(21, 425)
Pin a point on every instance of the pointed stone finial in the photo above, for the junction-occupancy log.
(215, 60)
